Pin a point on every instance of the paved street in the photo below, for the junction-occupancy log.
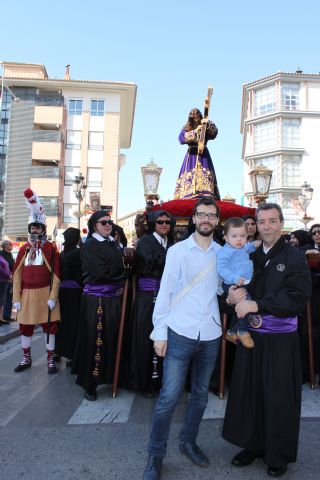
(48, 431)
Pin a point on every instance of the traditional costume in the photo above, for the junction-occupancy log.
(36, 279)
(263, 408)
(196, 181)
(70, 293)
(150, 260)
(103, 277)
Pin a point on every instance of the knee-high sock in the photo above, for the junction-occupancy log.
(26, 341)
(52, 342)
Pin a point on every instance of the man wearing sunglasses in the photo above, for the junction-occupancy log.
(187, 328)
(103, 278)
(150, 260)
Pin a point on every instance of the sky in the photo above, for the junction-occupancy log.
(172, 50)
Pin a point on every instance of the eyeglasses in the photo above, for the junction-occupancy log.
(163, 222)
(315, 232)
(203, 215)
(105, 222)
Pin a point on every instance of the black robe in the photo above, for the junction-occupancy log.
(102, 264)
(70, 300)
(264, 402)
(149, 262)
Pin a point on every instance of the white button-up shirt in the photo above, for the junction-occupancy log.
(187, 300)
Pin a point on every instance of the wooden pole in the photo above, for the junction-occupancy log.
(120, 337)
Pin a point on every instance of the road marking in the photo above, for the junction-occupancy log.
(105, 409)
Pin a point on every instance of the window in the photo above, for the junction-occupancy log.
(94, 177)
(69, 174)
(290, 132)
(291, 171)
(95, 141)
(264, 101)
(50, 205)
(68, 213)
(75, 107)
(264, 136)
(290, 96)
(97, 108)
(273, 163)
(73, 140)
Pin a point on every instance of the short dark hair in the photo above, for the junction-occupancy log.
(314, 226)
(270, 206)
(235, 222)
(249, 217)
(206, 201)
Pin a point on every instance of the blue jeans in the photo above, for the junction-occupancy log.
(180, 352)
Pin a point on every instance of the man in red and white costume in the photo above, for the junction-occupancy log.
(36, 279)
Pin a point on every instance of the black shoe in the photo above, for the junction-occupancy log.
(57, 358)
(51, 365)
(153, 468)
(69, 363)
(22, 366)
(90, 394)
(4, 322)
(244, 458)
(194, 453)
(276, 471)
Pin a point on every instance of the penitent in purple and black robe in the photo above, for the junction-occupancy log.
(206, 180)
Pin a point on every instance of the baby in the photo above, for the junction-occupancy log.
(236, 268)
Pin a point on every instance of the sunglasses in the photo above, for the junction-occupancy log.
(105, 222)
(315, 232)
(163, 222)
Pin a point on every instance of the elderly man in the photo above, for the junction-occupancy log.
(186, 329)
(263, 409)
(36, 279)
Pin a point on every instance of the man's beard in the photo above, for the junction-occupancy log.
(205, 233)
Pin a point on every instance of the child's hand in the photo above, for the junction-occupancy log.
(241, 281)
(257, 243)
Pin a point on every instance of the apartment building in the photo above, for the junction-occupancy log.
(53, 129)
(280, 123)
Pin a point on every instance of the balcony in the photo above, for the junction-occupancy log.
(48, 115)
(47, 145)
(45, 172)
(46, 187)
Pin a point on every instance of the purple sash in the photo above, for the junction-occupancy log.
(271, 324)
(148, 284)
(102, 290)
(69, 284)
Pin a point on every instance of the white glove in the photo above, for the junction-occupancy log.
(51, 304)
(17, 306)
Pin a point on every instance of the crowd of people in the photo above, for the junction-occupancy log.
(172, 326)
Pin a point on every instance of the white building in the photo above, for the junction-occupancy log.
(280, 123)
(58, 128)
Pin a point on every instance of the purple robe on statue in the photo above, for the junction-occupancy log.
(205, 182)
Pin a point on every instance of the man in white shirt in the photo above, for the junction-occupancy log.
(187, 328)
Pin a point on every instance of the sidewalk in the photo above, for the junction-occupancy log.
(9, 331)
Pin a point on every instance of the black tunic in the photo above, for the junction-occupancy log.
(150, 261)
(102, 264)
(70, 300)
(263, 408)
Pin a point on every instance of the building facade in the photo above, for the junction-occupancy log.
(51, 131)
(280, 123)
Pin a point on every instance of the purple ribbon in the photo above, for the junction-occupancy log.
(69, 284)
(148, 284)
(102, 290)
(271, 324)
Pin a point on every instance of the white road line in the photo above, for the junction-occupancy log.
(105, 409)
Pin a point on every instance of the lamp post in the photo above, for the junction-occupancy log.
(260, 180)
(304, 201)
(79, 189)
(151, 175)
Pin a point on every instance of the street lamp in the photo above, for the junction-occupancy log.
(151, 175)
(79, 189)
(260, 180)
(304, 200)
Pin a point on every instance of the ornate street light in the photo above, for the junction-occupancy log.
(304, 201)
(79, 189)
(151, 175)
(260, 180)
